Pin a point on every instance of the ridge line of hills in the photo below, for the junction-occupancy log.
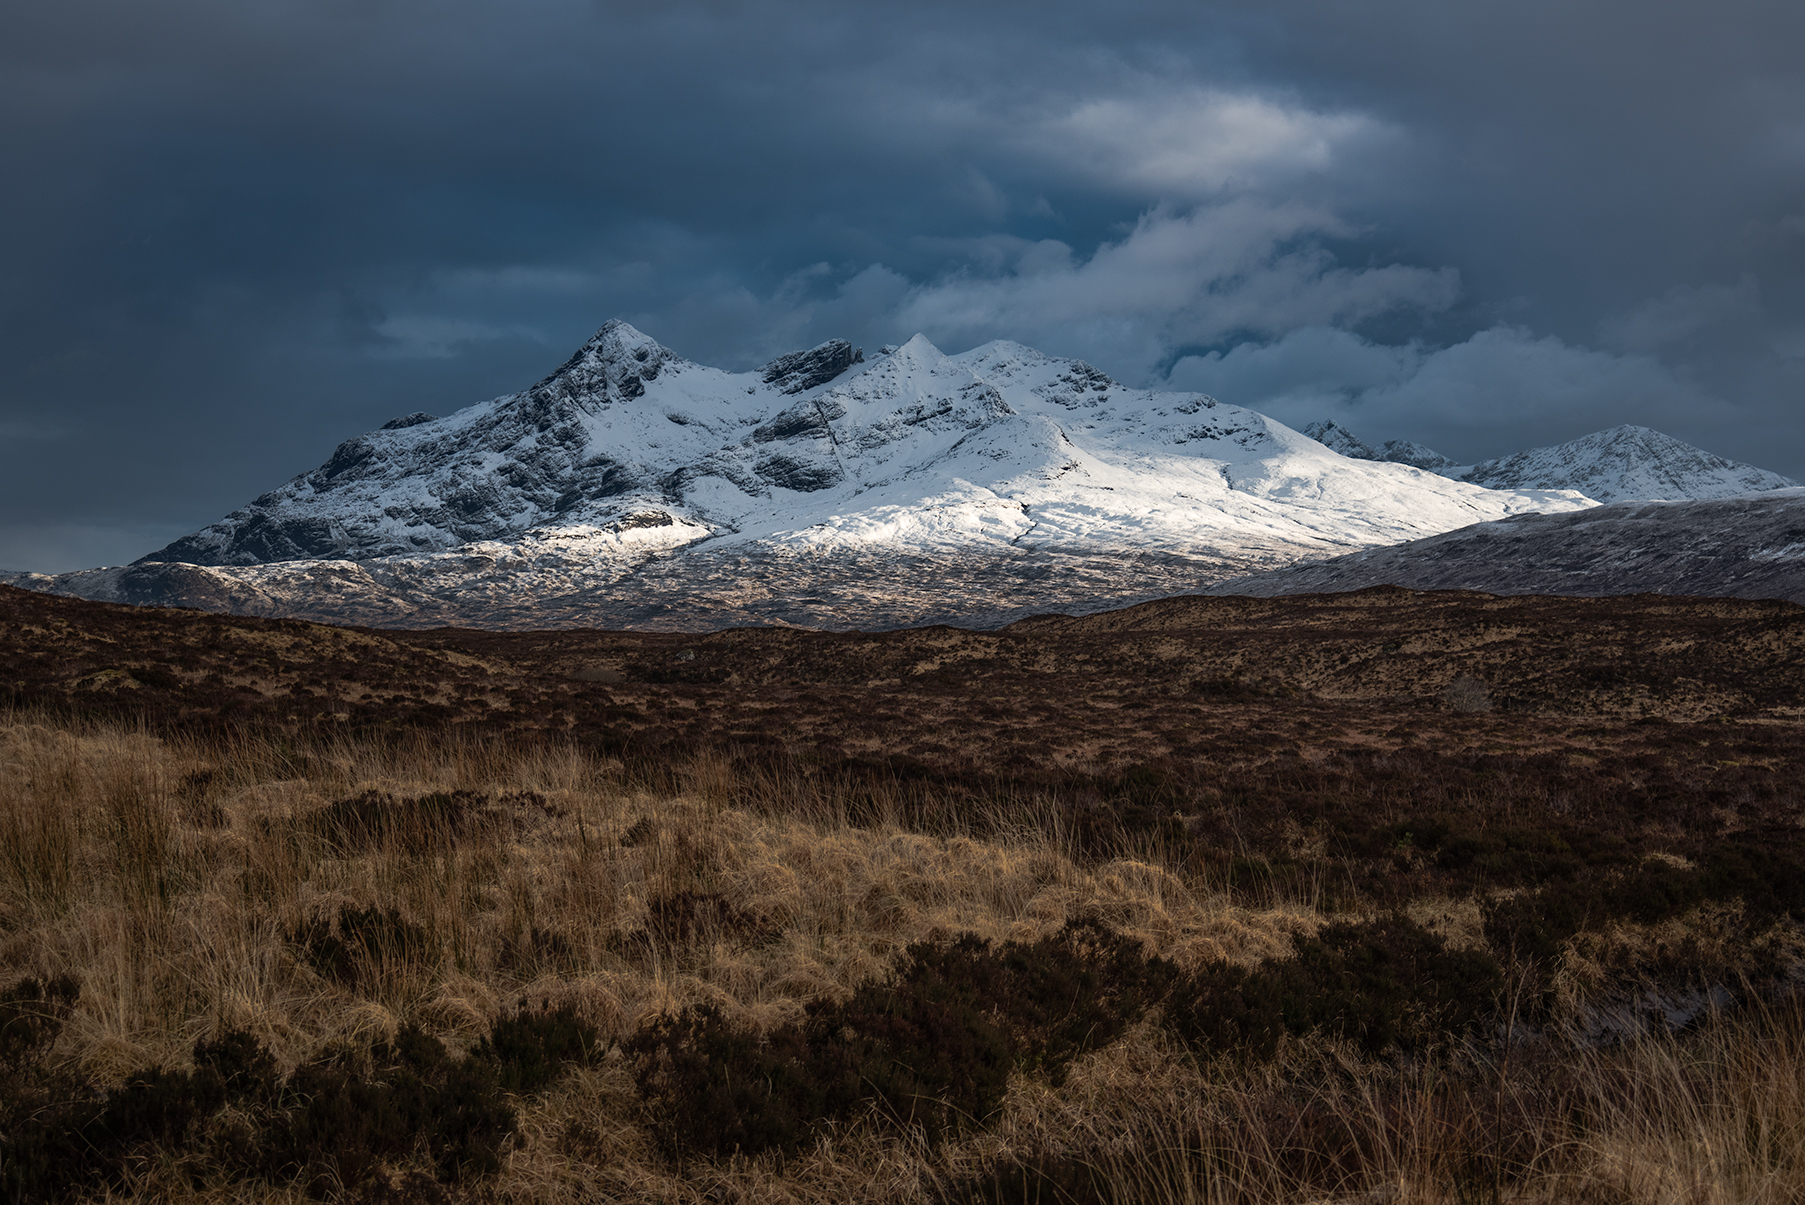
(632, 487)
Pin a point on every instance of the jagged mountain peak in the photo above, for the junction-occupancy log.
(1408, 451)
(616, 364)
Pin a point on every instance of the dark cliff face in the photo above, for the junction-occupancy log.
(803, 370)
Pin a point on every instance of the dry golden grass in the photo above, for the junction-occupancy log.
(171, 878)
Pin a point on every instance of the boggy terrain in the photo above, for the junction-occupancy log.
(1433, 896)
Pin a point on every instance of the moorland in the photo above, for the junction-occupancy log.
(1377, 896)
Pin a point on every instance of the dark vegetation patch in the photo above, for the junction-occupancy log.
(933, 1045)
(420, 825)
(685, 917)
(335, 1125)
(358, 946)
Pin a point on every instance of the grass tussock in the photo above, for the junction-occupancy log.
(430, 969)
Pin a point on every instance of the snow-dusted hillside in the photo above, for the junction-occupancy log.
(632, 446)
(632, 470)
(1609, 466)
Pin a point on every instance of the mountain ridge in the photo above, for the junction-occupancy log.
(634, 486)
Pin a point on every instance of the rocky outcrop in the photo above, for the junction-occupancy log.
(803, 370)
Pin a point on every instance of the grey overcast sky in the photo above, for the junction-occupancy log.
(236, 232)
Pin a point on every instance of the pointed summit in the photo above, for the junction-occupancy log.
(1408, 451)
(615, 365)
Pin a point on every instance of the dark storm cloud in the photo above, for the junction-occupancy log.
(241, 232)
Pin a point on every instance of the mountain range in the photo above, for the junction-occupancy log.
(633, 487)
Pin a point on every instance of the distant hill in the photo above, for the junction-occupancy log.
(1622, 463)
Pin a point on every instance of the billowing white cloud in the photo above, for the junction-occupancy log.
(1189, 143)
(1243, 267)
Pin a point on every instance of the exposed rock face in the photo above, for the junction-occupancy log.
(1406, 451)
(1340, 439)
(535, 584)
(423, 484)
(1752, 546)
(803, 370)
(409, 420)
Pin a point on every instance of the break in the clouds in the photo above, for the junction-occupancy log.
(237, 234)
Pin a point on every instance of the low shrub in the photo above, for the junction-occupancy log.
(932, 1046)
(529, 1049)
(685, 917)
(355, 948)
(336, 1124)
(1385, 984)
(32, 1015)
(351, 1113)
(1225, 1008)
(713, 1085)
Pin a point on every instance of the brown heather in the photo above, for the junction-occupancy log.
(1379, 897)
(170, 878)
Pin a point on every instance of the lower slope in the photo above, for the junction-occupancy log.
(549, 583)
(1751, 546)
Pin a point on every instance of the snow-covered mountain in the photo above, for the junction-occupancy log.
(1626, 463)
(1622, 463)
(1749, 546)
(633, 485)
